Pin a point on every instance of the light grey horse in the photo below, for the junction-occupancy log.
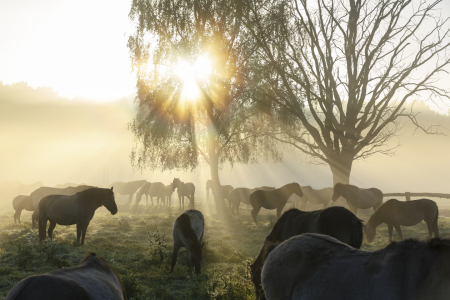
(94, 279)
(128, 188)
(188, 231)
(152, 189)
(315, 266)
(20, 203)
(358, 198)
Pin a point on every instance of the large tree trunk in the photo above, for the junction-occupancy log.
(341, 167)
(214, 166)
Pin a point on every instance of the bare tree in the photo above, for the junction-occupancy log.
(344, 70)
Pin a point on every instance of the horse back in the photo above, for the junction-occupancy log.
(48, 287)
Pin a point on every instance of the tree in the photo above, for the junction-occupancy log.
(344, 70)
(220, 125)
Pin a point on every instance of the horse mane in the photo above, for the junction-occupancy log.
(186, 229)
(92, 193)
(92, 254)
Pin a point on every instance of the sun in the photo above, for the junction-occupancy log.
(191, 74)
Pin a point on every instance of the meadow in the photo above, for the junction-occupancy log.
(137, 242)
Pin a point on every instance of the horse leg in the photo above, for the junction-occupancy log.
(130, 197)
(50, 229)
(399, 231)
(390, 227)
(435, 226)
(78, 232)
(42, 226)
(176, 249)
(83, 233)
(237, 207)
(353, 209)
(255, 212)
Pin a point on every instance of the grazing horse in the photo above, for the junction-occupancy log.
(336, 221)
(242, 195)
(19, 203)
(317, 197)
(188, 231)
(128, 188)
(76, 209)
(94, 279)
(358, 198)
(315, 266)
(184, 189)
(152, 189)
(395, 213)
(224, 189)
(43, 191)
(275, 199)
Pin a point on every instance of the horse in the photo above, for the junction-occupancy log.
(128, 188)
(315, 266)
(335, 221)
(275, 199)
(43, 191)
(93, 279)
(20, 203)
(224, 189)
(395, 213)
(188, 231)
(184, 189)
(242, 195)
(358, 198)
(152, 189)
(76, 209)
(166, 194)
(317, 197)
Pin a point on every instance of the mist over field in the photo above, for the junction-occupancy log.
(57, 140)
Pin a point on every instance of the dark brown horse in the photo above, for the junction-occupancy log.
(76, 209)
(357, 198)
(395, 213)
(184, 189)
(188, 231)
(242, 195)
(315, 266)
(43, 191)
(337, 222)
(275, 199)
(20, 203)
(94, 279)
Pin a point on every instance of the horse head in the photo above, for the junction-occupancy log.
(295, 187)
(370, 232)
(109, 202)
(337, 191)
(175, 183)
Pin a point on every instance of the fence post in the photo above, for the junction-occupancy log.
(408, 196)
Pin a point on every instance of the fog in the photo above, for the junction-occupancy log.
(55, 140)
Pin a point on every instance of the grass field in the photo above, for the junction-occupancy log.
(137, 242)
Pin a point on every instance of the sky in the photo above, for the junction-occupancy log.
(79, 48)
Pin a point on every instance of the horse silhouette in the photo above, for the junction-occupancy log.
(184, 189)
(94, 279)
(76, 209)
(20, 203)
(242, 195)
(358, 198)
(128, 188)
(152, 189)
(188, 231)
(315, 266)
(275, 199)
(395, 213)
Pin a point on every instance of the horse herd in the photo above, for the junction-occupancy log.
(306, 255)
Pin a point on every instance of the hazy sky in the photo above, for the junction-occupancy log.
(76, 47)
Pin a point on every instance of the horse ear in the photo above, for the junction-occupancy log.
(111, 188)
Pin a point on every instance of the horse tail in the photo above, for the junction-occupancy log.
(356, 237)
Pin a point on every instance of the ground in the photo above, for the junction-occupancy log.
(137, 242)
